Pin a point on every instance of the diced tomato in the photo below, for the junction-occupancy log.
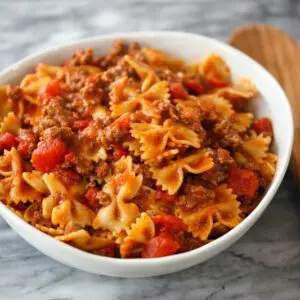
(122, 122)
(164, 196)
(91, 198)
(169, 222)
(264, 126)
(25, 139)
(70, 157)
(69, 177)
(194, 86)
(49, 154)
(243, 182)
(177, 91)
(162, 245)
(81, 124)
(216, 83)
(50, 90)
(118, 152)
(8, 141)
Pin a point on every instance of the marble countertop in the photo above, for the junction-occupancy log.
(264, 264)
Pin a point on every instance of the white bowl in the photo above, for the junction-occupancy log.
(272, 103)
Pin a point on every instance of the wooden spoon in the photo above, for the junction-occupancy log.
(279, 54)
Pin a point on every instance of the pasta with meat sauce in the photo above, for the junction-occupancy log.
(134, 154)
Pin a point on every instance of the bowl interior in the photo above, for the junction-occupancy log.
(271, 102)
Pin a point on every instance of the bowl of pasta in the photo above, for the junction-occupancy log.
(139, 154)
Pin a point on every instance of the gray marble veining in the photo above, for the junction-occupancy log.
(264, 264)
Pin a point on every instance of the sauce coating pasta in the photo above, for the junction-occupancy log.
(134, 154)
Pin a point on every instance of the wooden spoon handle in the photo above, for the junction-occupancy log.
(279, 54)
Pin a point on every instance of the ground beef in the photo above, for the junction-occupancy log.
(219, 172)
(225, 136)
(82, 57)
(55, 113)
(103, 170)
(83, 166)
(116, 52)
(75, 79)
(195, 196)
(191, 116)
(111, 135)
(64, 133)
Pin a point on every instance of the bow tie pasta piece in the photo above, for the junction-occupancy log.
(123, 90)
(215, 106)
(146, 102)
(253, 150)
(35, 180)
(122, 187)
(83, 240)
(239, 94)
(215, 71)
(171, 176)
(223, 207)
(68, 210)
(163, 60)
(72, 212)
(133, 146)
(146, 74)
(118, 215)
(153, 139)
(181, 134)
(159, 91)
(20, 191)
(11, 124)
(142, 231)
(241, 121)
(245, 89)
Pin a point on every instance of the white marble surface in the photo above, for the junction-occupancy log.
(265, 264)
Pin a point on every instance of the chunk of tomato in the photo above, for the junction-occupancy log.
(177, 91)
(159, 246)
(50, 90)
(91, 198)
(216, 83)
(194, 86)
(264, 126)
(169, 222)
(49, 154)
(242, 182)
(8, 141)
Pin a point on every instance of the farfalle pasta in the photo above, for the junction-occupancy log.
(134, 154)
